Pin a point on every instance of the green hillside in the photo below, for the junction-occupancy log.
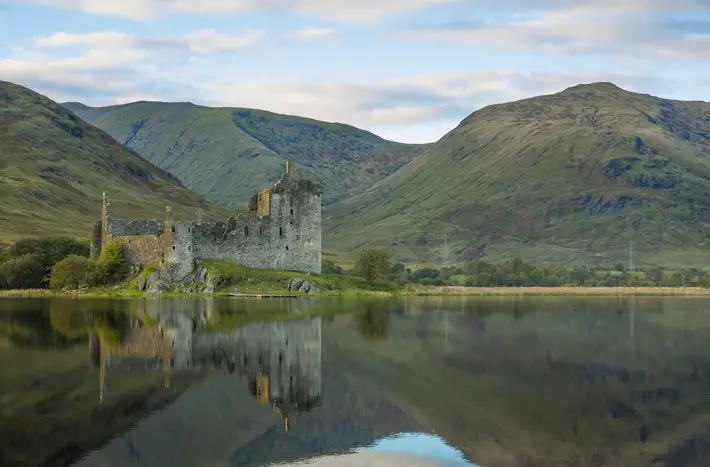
(571, 177)
(227, 154)
(54, 166)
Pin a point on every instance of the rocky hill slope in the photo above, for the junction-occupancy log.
(581, 176)
(226, 154)
(54, 167)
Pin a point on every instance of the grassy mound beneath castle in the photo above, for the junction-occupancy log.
(236, 278)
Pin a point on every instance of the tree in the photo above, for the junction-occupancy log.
(654, 275)
(371, 264)
(50, 250)
(112, 265)
(329, 267)
(22, 272)
(73, 272)
(397, 268)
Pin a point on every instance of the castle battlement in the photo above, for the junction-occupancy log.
(281, 230)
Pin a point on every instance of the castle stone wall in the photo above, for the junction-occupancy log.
(282, 231)
(143, 249)
(180, 248)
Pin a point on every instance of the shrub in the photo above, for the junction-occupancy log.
(426, 273)
(22, 272)
(49, 250)
(112, 266)
(371, 264)
(329, 267)
(72, 272)
(397, 268)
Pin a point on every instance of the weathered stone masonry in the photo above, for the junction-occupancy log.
(281, 231)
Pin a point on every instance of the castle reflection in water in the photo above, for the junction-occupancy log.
(281, 361)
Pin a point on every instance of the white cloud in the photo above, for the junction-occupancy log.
(311, 34)
(410, 100)
(347, 10)
(204, 41)
(618, 28)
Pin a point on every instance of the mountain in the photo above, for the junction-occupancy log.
(573, 177)
(54, 167)
(226, 154)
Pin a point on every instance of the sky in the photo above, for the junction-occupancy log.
(407, 70)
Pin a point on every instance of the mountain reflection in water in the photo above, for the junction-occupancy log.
(425, 381)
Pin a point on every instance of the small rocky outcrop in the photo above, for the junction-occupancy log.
(301, 285)
(158, 287)
(144, 282)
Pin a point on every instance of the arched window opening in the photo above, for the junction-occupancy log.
(281, 232)
(172, 228)
(246, 230)
(292, 211)
(286, 247)
(173, 247)
(261, 230)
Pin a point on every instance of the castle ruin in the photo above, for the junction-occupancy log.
(282, 230)
(279, 361)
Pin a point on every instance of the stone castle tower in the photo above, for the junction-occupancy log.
(282, 230)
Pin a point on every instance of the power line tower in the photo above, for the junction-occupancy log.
(445, 253)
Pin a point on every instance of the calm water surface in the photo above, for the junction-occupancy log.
(426, 382)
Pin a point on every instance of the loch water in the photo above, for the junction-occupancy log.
(423, 381)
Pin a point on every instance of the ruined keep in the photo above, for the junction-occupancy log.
(282, 230)
(280, 362)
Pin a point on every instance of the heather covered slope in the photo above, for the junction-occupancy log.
(573, 177)
(54, 167)
(226, 154)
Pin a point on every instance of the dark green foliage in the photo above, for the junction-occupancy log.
(426, 273)
(22, 272)
(446, 273)
(72, 272)
(397, 268)
(654, 274)
(371, 264)
(26, 263)
(50, 250)
(516, 273)
(112, 266)
(329, 267)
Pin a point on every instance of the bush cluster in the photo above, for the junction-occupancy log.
(374, 264)
(59, 263)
